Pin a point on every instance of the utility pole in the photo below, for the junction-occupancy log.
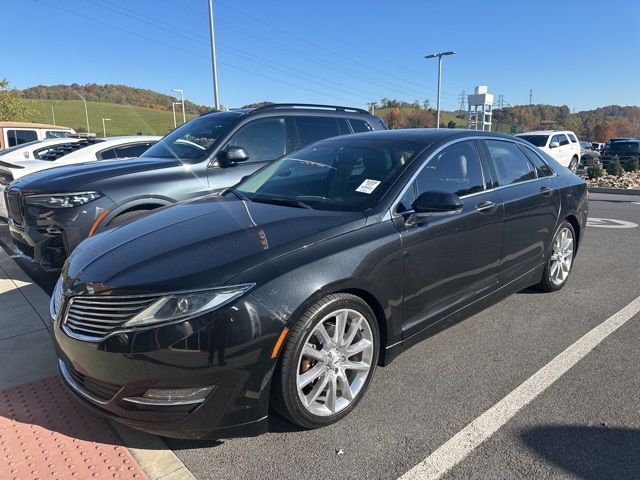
(372, 106)
(184, 116)
(173, 107)
(86, 112)
(439, 57)
(104, 127)
(53, 114)
(530, 96)
(216, 100)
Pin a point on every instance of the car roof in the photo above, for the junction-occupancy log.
(32, 125)
(544, 132)
(424, 135)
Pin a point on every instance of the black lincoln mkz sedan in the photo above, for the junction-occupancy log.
(288, 289)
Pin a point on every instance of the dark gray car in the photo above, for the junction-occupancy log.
(51, 212)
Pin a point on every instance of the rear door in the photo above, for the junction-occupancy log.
(530, 208)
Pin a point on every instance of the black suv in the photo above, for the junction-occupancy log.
(626, 150)
(52, 211)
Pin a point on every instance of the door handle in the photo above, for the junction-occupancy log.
(546, 191)
(486, 207)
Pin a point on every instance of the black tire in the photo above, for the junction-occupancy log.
(547, 283)
(284, 392)
(127, 217)
(573, 164)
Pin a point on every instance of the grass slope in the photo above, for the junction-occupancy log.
(125, 120)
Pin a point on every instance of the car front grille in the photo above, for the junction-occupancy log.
(96, 317)
(14, 205)
(102, 390)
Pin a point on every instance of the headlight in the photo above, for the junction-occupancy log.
(62, 200)
(186, 305)
(57, 299)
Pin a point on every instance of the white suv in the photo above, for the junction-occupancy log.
(562, 145)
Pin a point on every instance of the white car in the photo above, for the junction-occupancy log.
(562, 145)
(16, 133)
(112, 148)
(33, 150)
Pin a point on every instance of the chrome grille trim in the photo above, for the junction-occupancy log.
(93, 318)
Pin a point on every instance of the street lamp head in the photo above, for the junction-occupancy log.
(440, 55)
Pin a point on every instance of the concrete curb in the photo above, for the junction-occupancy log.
(614, 191)
(152, 454)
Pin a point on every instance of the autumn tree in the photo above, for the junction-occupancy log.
(12, 105)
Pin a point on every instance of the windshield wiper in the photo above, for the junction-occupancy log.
(237, 194)
(289, 202)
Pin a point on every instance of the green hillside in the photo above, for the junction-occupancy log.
(445, 117)
(125, 120)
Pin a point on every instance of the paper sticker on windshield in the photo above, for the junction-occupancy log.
(368, 186)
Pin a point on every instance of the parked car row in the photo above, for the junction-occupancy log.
(258, 264)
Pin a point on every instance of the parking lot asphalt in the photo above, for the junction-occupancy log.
(585, 425)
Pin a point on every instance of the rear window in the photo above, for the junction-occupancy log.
(57, 134)
(511, 164)
(537, 140)
(18, 137)
(572, 137)
(359, 126)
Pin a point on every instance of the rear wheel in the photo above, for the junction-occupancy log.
(560, 261)
(573, 165)
(327, 362)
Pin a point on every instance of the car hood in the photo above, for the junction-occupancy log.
(82, 175)
(198, 244)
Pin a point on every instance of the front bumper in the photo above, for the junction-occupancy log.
(229, 350)
(47, 236)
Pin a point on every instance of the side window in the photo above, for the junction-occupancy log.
(263, 139)
(511, 164)
(542, 168)
(312, 129)
(128, 151)
(108, 154)
(56, 134)
(360, 125)
(18, 137)
(456, 169)
(573, 138)
(562, 138)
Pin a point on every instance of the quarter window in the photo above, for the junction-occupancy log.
(542, 169)
(312, 129)
(573, 138)
(264, 139)
(456, 169)
(511, 164)
(359, 126)
(18, 137)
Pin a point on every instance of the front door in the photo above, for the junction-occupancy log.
(264, 139)
(450, 260)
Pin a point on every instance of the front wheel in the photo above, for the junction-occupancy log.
(560, 261)
(327, 362)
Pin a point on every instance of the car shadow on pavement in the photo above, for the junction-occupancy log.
(589, 452)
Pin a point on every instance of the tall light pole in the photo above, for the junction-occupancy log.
(184, 116)
(439, 57)
(173, 107)
(53, 114)
(86, 112)
(216, 100)
(104, 127)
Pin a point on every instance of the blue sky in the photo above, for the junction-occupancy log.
(583, 54)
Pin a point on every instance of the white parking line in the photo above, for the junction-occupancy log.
(466, 440)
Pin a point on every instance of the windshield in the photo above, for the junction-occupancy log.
(341, 175)
(537, 140)
(624, 147)
(194, 140)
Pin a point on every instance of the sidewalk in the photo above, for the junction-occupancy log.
(44, 431)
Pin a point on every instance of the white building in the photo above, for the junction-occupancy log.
(480, 109)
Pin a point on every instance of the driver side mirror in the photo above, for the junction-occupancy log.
(554, 144)
(434, 204)
(231, 156)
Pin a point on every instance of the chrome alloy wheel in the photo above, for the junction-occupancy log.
(335, 362)
(561, 256)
